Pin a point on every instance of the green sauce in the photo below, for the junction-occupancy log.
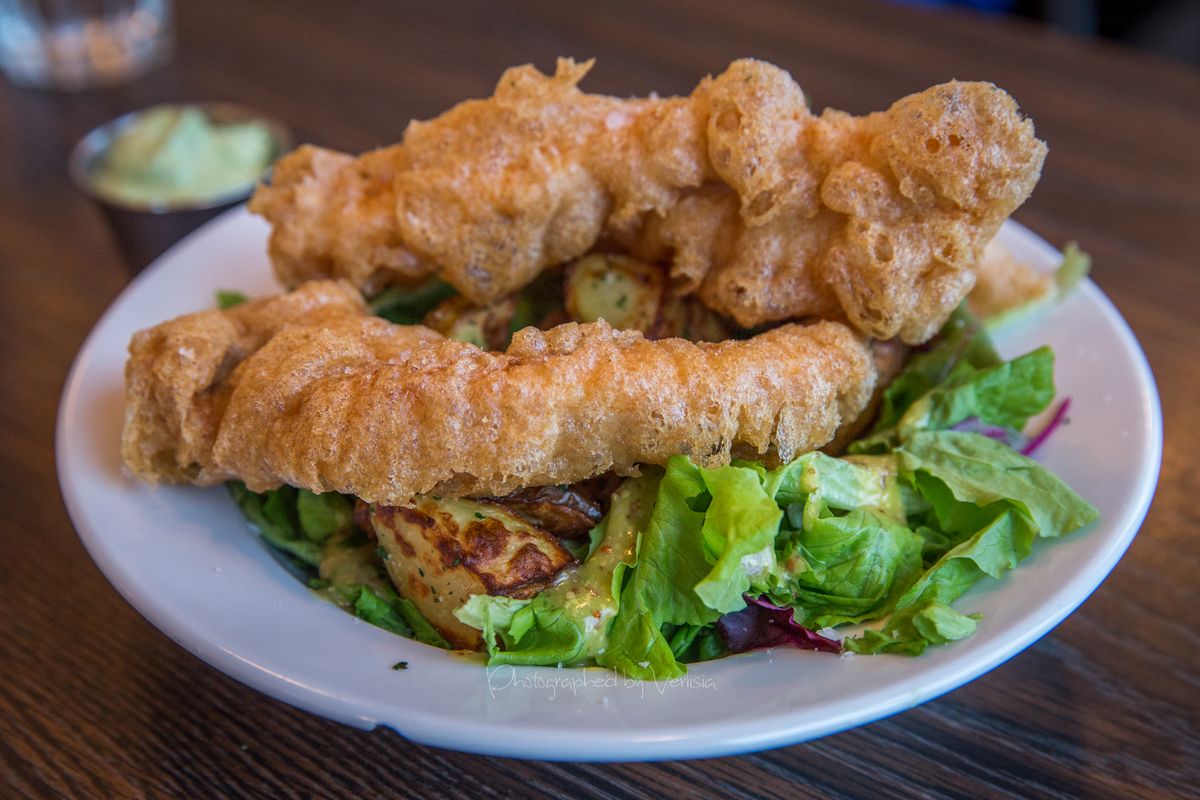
(590, 594)
(176, 156)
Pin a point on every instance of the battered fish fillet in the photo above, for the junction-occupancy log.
(344, 402)
(313, 410)
(764, 210)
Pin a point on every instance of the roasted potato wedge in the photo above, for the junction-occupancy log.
(557, 509)
(630, 294)
(439, 552)
(623, 291)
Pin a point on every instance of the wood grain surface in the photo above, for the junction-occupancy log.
(94, 702)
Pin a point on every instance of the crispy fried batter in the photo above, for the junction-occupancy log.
(764, 210)
(316, 409)
(177, 377)
(354, 404)
(341, 221)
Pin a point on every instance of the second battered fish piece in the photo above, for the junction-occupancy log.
(353, 239)
(764, 210)
(317, 408)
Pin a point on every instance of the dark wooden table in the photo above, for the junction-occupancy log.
(95, 702)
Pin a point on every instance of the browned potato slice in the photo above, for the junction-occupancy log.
(569, 511)
(487, 327)
(633, 295)
(557, 509)
(623, 291)
(440, 552)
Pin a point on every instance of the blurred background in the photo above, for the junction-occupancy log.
(1169, 28)
(76, 44)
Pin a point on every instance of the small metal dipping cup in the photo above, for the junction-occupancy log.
(144, 230)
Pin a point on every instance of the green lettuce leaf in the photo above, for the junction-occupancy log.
(710, 540)
(738, 533)
(379, 612)
(1073, 268)
(980, 470)
(671, 560)
(848, 568)
(843, 483)
(987, 504)
(962, 340)
(397, 615)
(409, 305)
(273, 514)
(692, 643)
(322, 515)
(922, 614)
(492, 615)
(1005, 395)
(911, 631)
(422, 629)
(228, 298)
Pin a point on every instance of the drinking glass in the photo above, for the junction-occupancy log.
(74, 44)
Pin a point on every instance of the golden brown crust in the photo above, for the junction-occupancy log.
(177, 377)
(352, 238)
(353, 404)
(765, 210)
(312, 409)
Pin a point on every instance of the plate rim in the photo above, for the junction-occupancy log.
(552, 743)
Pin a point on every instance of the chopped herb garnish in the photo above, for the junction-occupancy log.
(382, 553)
(227, 298)
(400, 665)
(479, 516)
(318, 583)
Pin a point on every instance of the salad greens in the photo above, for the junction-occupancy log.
(889, 536)
(567, 623)
(409, 305)
(228, 298)
(316, 533)
(691, 563)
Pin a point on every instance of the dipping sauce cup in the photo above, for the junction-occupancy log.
(144, 225)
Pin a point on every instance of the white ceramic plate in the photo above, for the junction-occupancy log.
(186, 560)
